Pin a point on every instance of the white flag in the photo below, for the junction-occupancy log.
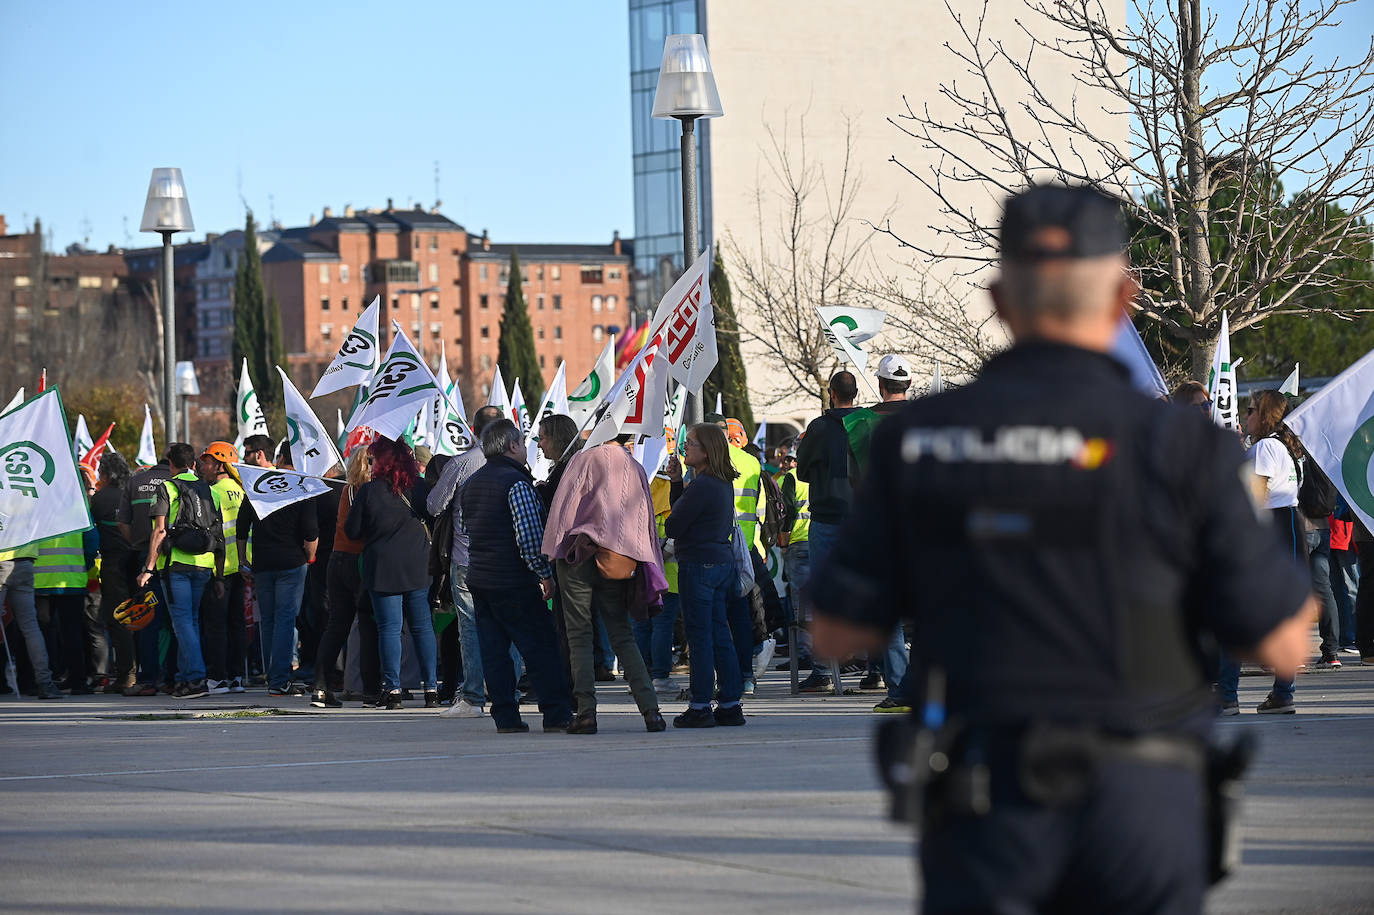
(637, 400)
(685, 326)
(775, 569)
(548, 406)
(42, 493)
(358, 354)
(1290, 384)
(82, 443)
(1336, 426)
(1130, 350)
(937, 382)
(497, 397)
(15, 401)
(651, 453)
(147, 445)
(1221, 381)
(450, 434)
(270, 489)
(251, 420)
(857, 325)
(839, 340)
(519, 413)
(595, 388)
(312, 450)
(720, 406)
(399, 390)
(761, 438)
(339, 425)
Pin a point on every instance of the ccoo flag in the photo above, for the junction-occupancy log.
(685, 326)
(269, 489)
(593, 390)
(1221, 381)
(251, 420)
(42, 493)
(312, 450)
(357, 357)
(1336, 426)
(638, 399)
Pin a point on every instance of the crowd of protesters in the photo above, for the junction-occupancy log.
(467, 585)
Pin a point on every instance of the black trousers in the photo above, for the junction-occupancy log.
(1364, 600)
(1135, 846)
(114, 590)
(348, 600)
(222, 629)
(63, 620)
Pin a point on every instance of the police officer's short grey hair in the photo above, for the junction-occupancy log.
(1064, 288)
(499, 437)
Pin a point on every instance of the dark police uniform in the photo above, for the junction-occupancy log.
(1099, 542)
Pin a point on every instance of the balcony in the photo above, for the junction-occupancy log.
(395, 271)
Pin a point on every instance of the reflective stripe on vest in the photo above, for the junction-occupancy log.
(60, 564)
(801, 528)
(230, 500)
(747, 503)
(171, 553)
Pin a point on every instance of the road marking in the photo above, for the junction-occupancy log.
(293, 765)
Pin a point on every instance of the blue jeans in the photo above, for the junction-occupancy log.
(895, 662)
(823, 538)
(187, 588)
(279, 600)
(16, 583)
(1319, 561)
(471, 689)
(655, 638)
(705, 589)
(1345, 584)
(519, 616)
(796, 567)
(1285, 521)
(389, 608)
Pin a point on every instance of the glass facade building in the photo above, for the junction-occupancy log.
(657, 146)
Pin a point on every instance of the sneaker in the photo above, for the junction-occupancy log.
(695, 718)
(323, 698)
(236, 685)
(666, 685)
(749, 686)
(853, 667)
(730, 717)
(463, 709)
(871, 680)
(142, 689)
(167, 689)
(195, 690)
(802, 664)
(1349, 649)
(1273, 705)
(764, 656)
(654, 723)
(1331, 663)
(520, 727)
(817, 683)
(1228, 709)
(49, 692)
(431, 698)
(119, 686)
(372, 701)
(297, 689)
(390, 701)
(278, 691)
(1368, 660)
(217, 687)
(892, 705)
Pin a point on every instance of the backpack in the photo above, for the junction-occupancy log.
(1316, 494)
(198, 527)
(775, 509)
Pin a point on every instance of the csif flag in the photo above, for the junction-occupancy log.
(81, 438)
(1336, 426)
(312, 449)
(401, 387)
(498, 396)
(837, 333)
(15, 401)
(42, 493)
(1221, 381)
(357, 357)
(595, 388)
(249, 412)
(147, 445)
(857, 325)
(519, 413)
(269, 489)
(450, 433)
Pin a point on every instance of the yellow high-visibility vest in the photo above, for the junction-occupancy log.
(229, 497)
(60, 564)
(749, 507)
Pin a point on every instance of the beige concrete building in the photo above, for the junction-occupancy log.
(794, 70)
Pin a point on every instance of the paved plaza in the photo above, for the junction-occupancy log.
(115, 805)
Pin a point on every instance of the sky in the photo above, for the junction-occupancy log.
(291, 107)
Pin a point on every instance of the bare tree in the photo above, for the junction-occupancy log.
(1222, 114)
(931, 318)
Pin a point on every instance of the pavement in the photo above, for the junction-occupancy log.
(152, 805)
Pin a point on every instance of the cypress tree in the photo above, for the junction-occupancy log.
(728, 375)
(257, 330)
(515, 347)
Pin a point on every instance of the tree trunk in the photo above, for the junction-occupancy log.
(1201, 350)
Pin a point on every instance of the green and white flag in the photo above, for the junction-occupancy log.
(147, 445)
(451, 434)
(399, 390)
(358, 355)
(269, 489)
(1290, 384)
(554, 401)
(1336, 426)
(937, 382)
(15, 401)
(775, 571)
(1221, 381)
(250, 418)
(82, 443)
(42, 493)
(498, 396)
(595, 388)
(857, 325)
(312, 450)
(519, 413)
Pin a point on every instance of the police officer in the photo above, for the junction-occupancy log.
(1095, 539)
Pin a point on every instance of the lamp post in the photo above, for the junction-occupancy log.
(167, 211)
(187, 386)
(687, 91)
(420, 332)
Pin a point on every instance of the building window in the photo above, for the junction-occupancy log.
(591, 273)
(541, 360)
(482, 300)
(434, 273)
(324, 303)
(343, 273)
(417, 242)
(434, 243)
(434, 303)
(486, 367)
(343, 303)
(367, 274)
(486, 332)
(482, 271)
(610, 303)
(457, 310)
(556, 272)
(22, 281)
(558, 332)
(557, 303)
(326, 329)
(596, 303)
(597, 332)
(324, 273)
(613, 273)
(395, 302)
(539, 272)
(435, 330)
(539, 332)
(539, 301)
(94, 282)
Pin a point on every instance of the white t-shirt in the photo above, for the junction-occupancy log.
(1273, 462)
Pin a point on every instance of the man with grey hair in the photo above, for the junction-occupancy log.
(1104, 536)
(511, 581)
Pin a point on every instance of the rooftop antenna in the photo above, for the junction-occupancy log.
(436, 184)
(238, 184)
(271, 210)
(86, 231)
(128, 239)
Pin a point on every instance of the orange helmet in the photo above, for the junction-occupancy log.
(137, 612)
(734, 433)
(226, 455)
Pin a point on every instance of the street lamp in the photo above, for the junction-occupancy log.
(419, 324)
(687, 91)
(167, 211)
(187, 386)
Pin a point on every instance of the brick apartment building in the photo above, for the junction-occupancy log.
(441, 283)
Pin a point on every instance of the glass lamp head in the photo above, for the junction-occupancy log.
(686, 86)
(167, 209)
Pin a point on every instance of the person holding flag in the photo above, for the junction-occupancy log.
(894, 383)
